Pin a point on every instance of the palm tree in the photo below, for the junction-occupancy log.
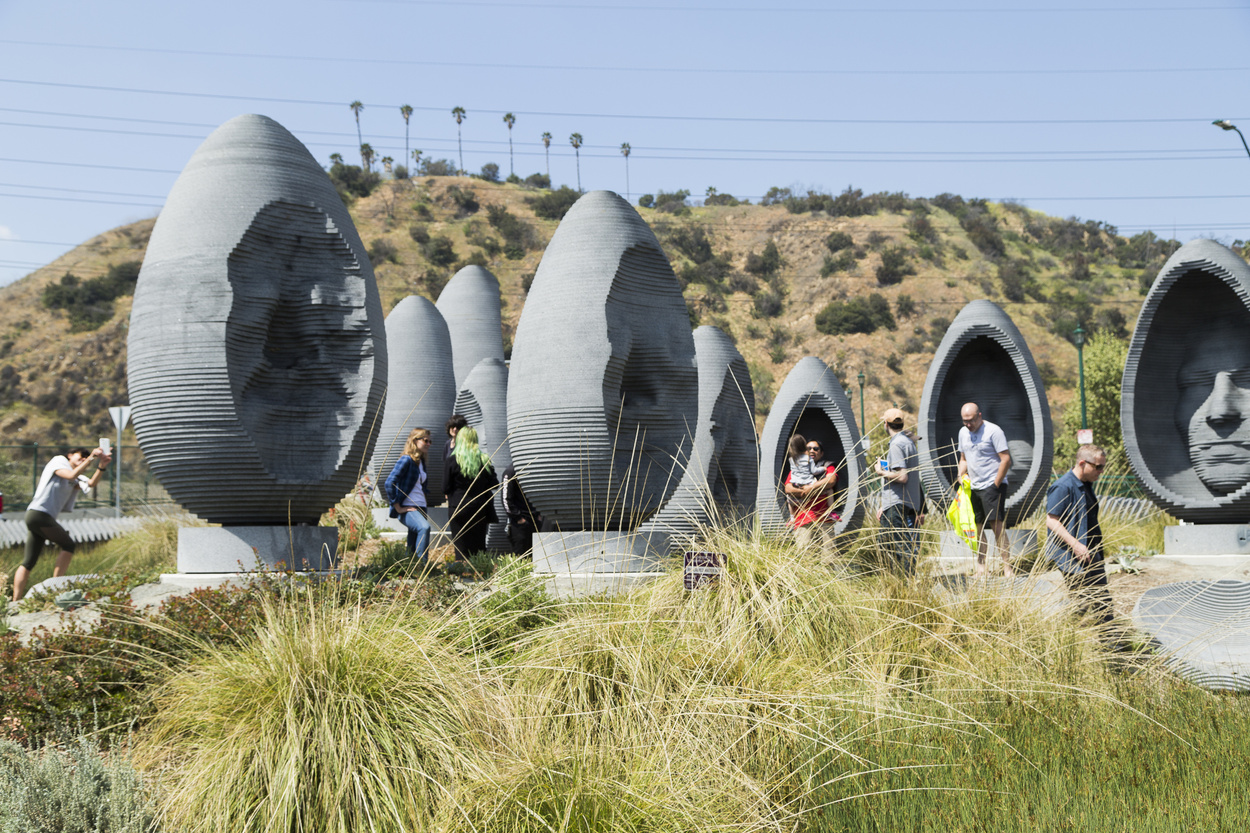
(510, 120)
(547, 151)
(387, 163)
(356, 108)
(366, 156)
(625, 153)
(336, 159)
(405, 111)
(459, 115)
(576, 141)
(416, 161)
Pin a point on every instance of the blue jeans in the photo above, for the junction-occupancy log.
(418, 532)
(901, 538)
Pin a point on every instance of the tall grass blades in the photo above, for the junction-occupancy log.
(329, 720)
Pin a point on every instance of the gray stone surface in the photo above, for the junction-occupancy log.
(603, 389)
(1207, 539)
(256, 355)
(719, 482)
(580, 585)
(1203, 627)
(469, 303)
(421, 389)
(1185, 399)
(483, 402)
(1020, 542)
(811, 402)
(984, 359)
(598, 552)
(236, 549)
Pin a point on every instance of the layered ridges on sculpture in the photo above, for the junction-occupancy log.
(602, 395)
(1185, 398)
(984, 359)
(719, 481)
(256, 355)
(1203, 629)
(422, 388)
(483, 401)
(469, 303)
(811, 402)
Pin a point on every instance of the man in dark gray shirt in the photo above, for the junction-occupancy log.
(900, 497)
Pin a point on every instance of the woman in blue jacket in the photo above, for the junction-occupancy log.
(405, 491)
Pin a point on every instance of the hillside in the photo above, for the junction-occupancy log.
(763, 273)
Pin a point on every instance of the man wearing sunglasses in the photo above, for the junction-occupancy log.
(1074, 539)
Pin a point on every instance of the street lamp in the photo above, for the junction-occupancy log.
(861, 402)
(1078, 338)
(1225, 124)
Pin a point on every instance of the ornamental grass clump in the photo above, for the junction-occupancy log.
(328, 719)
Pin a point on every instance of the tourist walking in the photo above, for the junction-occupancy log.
(984, 457)
(900, 495)
(1074, 537)
(406, 492)
(471, 484)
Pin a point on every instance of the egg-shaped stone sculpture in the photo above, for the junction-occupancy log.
(983, 358)
(469, 304)
(812, 403)
(603, 389)
(719, 482)
(483, 401)
(421, 389)
(1185, 398)
(257, 352)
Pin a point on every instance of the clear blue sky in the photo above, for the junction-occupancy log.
(1103, 111)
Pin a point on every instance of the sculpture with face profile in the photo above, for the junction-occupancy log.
(1185, 402)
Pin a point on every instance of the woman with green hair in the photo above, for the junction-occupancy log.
(471, 485)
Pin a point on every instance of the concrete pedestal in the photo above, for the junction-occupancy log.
(1207, 540)
(598, 552)
(1019, 542)
(238, 549)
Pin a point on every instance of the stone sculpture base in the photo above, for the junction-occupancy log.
(241, 549)
(1019, 542)
(598, 552)
(1207, 542)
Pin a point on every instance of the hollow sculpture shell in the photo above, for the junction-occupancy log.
(603, 389)
(470, 306)
(719, 482)
(1185, 398)
(483, 401)
(421, 389)
(257, 354)
(983, 358)
(811, 402)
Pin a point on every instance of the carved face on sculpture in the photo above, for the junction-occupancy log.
(1213, 410)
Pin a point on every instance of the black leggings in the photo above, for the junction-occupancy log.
(43, 527)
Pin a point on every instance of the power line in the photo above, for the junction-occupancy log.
(874, 10)
(89, 165)
(641, 117)
(76, 199)
(323, 59)
(78, 191)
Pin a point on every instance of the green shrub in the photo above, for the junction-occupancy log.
(692, 241)
(843, 262)
(768, 303)
(894, 266)
(672, 203)
(765, 264)
(352, 181)
(490, 172)
(382, 250)
(419, 233)
(837, 241)
(646, 201)
(89, 303)
(72, 788)
(554, 204)
(400, 172)
(858, 315)
(462, 199)
(439, 251)
(517, 234)
(438, 167)
(904, 305)
(538, 181)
